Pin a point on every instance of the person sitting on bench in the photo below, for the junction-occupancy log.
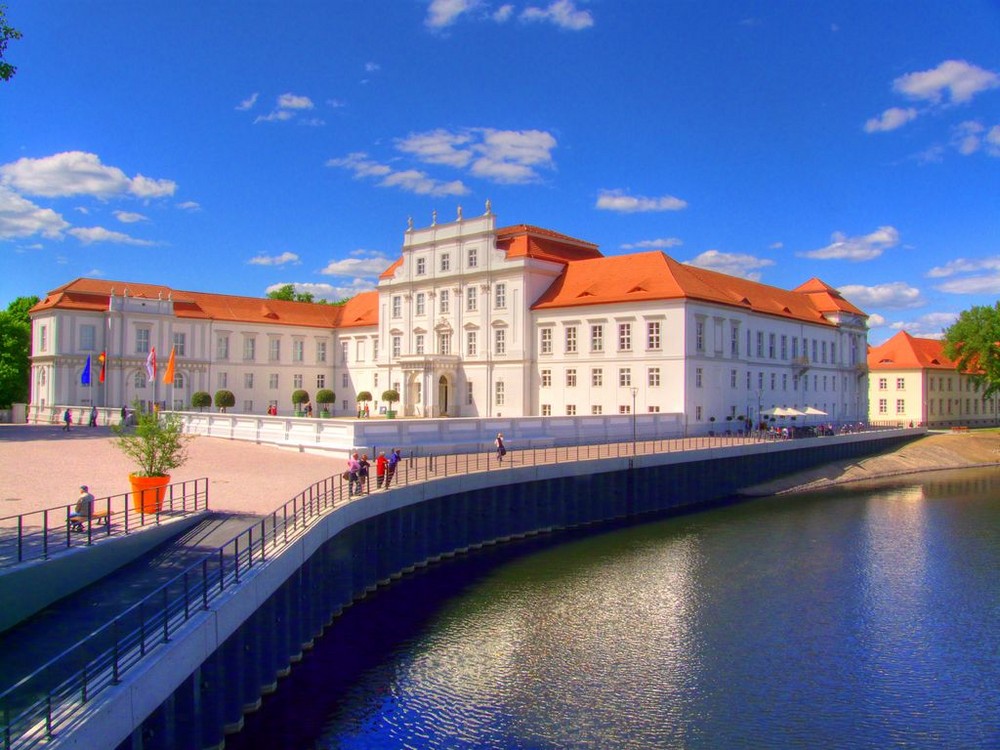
(83, 511)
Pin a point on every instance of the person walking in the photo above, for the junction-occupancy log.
(353, 467)
(93, 416)
(363, 473)
(380, 465)
(501, 448)
(67, 420)
(391, 466)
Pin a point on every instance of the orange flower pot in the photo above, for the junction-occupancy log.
(148, 493)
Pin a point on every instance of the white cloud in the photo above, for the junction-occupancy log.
(372, 67)
(90, 235)
(364, 263)
(274, 260)
(963, 265)
(247, 103)
(967, 137)
(20, 217)
(875, 320)
(189, 206)
(313, 122)
(78, 173)
(985, 284)
(894, 295)
(930, 326)
(294, 101)
(776, 245)
(328, 292)
(961, 80)
(993, 141)
(442, 13)
(865, 247)
(415, 181)
(359, 163)
(657, 244)
(732, 264)
(278, 115)
(503, 13)
(891, 119)
(617, 200)
(129, 217)
(562, 13)
(438, 147)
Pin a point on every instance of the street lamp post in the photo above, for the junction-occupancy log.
(634, 392)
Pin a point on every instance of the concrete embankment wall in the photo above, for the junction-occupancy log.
(200, 685)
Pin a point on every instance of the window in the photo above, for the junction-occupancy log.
(470, 344)
(774, 380)
(469, 394)
(597, 377)
(396, 346)
(223, 380)
(697, 413)
(699, 336)
(784, 347)
(546, 341)
(421, 303)
(274, 350)
(698, 377)
(760, 343)
(222, 347)
(343, 352)
(142, 341)
(321, 381)
(470, 299)
(596, 410)
(445, 301)
(43, 338)
(299, 348)
(473, 257)
(179, 383)
(732, 378)
(653, 334)
(570, 410)
(654, 409)
(883, 384)
(345, 380)
(571, 339)
(445, 261)
(498, 390)
(823, 352)
(734, 341)
(421, 266)
(901, 406)
(419, 343)
(546, 378)
(501, 341)
(375, 380)
(900, 384)
(296, 381)
(571, 378)
(88, 337)
(248, 380)
(140, 379)
(653, 377)
(597, 338)
(272, 381)
(248, 406)
(771, 351)
(397, 306)
(444, 343)
(179, 341)
(883, 406)
(624, 409)
(624, 337)
(546, 410)
(625, 376)
(500, 296)
(359, 351)
(249, 348)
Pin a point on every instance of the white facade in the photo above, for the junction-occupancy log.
(452, 327)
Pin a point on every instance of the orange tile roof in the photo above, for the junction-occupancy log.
(524, 240)
(93, 295)
(644, 277)
(906, 352)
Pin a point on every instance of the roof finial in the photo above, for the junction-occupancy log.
(434, 218)
(459, 213)
(489, 207)
(409, 223)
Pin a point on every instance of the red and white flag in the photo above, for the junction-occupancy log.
(151, 364)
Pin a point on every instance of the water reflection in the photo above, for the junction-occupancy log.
(866, 616)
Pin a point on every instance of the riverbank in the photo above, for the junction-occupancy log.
(933, 452)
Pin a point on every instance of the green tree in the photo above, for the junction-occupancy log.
(225, 399)
(15, 351)
(973, 343)
(288, 293)
(7, 33)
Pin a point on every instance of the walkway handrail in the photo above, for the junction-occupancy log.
(32, 712)
(40, 534)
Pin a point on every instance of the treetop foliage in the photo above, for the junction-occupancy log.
(973, 343)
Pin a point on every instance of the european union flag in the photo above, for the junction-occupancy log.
(85, 377)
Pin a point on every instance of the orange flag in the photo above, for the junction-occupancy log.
(103, 359)
(168, 374)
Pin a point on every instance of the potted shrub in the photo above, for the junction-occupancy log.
(200, 400)
(324, 396)
(225, 400)
(299, 397)
(156, 446)
(390, 397)
(363, 398)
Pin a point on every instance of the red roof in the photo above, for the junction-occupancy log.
(906, 352)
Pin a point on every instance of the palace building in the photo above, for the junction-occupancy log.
(471, 321)
(912, 380)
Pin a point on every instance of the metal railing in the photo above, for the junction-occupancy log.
(40, 534)
(35, 708)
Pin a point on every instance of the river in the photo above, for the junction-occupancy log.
(864, 616)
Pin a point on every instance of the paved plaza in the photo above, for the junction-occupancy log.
(41, 466)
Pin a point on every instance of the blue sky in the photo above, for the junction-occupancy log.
(233, 147)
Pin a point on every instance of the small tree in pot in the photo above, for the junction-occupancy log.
(363, 398)
(299, 397)
(156, 446)
(225, 400)
(324, 396)
(390, 396)
(201, 399)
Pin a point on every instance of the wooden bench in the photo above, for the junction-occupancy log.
(97, 518)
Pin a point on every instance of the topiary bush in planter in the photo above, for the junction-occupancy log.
(390, 396)
(225, 400)
(363, 398)
(324, 396)
(299, 397)
(201, 399)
